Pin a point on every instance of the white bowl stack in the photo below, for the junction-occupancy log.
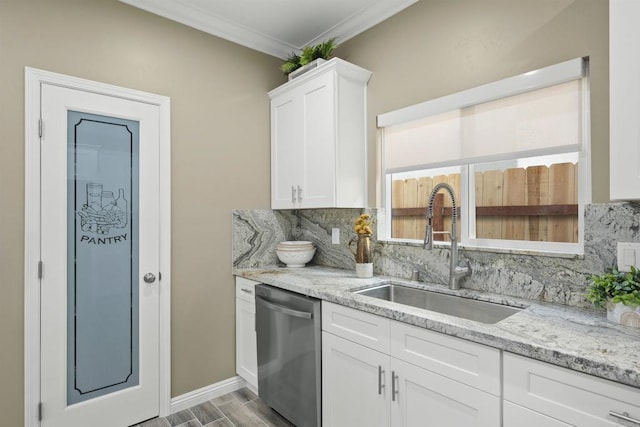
(295, 253)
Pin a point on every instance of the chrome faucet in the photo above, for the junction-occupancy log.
(456, 272)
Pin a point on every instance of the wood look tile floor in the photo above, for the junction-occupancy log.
(241, 408)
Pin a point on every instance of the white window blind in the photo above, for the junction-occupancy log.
(429, 141)
(489, 123)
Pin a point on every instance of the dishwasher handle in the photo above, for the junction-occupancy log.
(282, 309)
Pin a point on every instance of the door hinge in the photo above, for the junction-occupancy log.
(39, 411)
(39, 269)
(40, 128)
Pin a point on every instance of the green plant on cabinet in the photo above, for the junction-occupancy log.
(308, 54)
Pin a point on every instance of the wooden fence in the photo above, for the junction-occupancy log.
(538, 203)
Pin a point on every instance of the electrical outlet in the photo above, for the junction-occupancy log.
(628, 255)
(335, 236)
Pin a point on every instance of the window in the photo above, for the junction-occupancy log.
(515, 151)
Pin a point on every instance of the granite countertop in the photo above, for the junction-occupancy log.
(581, 340)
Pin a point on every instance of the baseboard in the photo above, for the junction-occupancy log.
(203, 394)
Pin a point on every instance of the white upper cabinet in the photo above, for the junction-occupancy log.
(624, 92)
(318, 139)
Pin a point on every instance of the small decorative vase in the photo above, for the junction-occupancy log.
(624, 315)
(362, 253)
(364, 271)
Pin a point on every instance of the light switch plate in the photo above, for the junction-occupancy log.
(335, 236)
(628, 255)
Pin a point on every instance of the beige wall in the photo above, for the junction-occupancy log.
(220, 160)
(438, 47)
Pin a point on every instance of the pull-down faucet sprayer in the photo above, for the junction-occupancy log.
(456, 272)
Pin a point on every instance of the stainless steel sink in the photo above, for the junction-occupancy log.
(480, 311)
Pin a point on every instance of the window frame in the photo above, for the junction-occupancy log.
(575, 69)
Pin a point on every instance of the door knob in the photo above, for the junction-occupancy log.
(149, 278)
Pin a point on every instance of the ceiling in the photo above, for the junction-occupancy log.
(276, 27)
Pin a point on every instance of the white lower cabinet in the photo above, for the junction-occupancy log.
(540, 394)
(365, 385)
(246, 350)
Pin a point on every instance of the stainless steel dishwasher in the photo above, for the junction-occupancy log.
(289, 369)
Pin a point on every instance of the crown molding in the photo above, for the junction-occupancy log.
(185, 13)
(362, 20)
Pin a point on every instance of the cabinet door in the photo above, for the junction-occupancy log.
(624, 93)
(319, 159)
(246, 351)
(355, 380)
(287, 150)
(425, 398)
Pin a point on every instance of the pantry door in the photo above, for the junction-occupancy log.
(100, 249)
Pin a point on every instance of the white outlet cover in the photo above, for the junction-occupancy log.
(335, 236)
(628, 255)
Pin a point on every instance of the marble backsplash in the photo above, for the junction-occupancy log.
(533, 276)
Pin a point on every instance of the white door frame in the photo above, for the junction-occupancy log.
(34, 78)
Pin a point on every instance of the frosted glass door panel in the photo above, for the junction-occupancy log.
(102, 245)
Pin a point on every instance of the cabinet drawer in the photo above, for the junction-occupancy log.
(518, 416)
(568, 396)
(469, 363)
(245, 289)
(363, 328)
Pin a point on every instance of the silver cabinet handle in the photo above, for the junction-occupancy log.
(149, 278)
(394, 390)
(380, 385)
(246, 291)
(624, 416)
(284, 310)
(293, 194)
(299, 194)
